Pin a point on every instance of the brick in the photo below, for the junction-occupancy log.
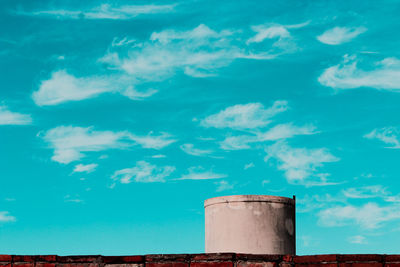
(77, 259)
(213, 257)
(5, 257)
(318, 265)
(392, 264)
(23, 264)
(361, 264)
(167, 257)
(212, 264)
(24, 258)
(258, 257)
(288, 258)
(360, 257)
(392, 258)
(167, 264)
(45, 264)
(122, 259)
(71, 265)
(256, 264)
(315, 258)
(286, 264)
(125, 265)
(46, 258)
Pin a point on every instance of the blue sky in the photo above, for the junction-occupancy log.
(119, 118)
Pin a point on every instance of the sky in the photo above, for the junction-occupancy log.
(119, 118)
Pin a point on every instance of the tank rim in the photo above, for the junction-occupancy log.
(249, 198)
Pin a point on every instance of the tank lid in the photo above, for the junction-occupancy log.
(249, 198)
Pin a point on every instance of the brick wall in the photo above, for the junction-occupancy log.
(200, 260)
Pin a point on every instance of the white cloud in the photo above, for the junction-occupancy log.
(64, 87)
(70, 143)
(300, 163)
(282, 39)
(373, 191)
(247, 116)
(88, 168)
(368, 216)
(143, 172)
(340, 35)
(248, 166)
(158, 156)
(6, 217)
(268, 32)
(388, 135)
(75, 199)
(8, 117)
(223, 186)
(104, 11)
(347, 75)
(357, 239)
(285, 131)
(191, 150)
(153, 141)
(278, 132)
(198, 173)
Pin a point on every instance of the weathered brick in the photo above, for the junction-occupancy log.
(123, 259)
(44, 264)
(167, 264)
(392, 258)
(361, 264)
(23, 264)
(258, 257)
(315, 258)
(46, 258)
(77, 259)
(24, 258)
(5, 258)
(3, 264)
(125, 265)
(286, 264)
(71, 265)
(167, 257)
(317, 265)
(360, 257)
(213, 257)
(256, 264)
(212, 264)
(392, 264)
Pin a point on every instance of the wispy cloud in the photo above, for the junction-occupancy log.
(373, 191)
(143, 172)
(357, 239)
(73, 199)
(368, 216)
(70, 142)
(199, 173)
(6, 217)
(88, 168)
(280, 34)
(247, 116)
(388, 135)
(64, 87)
(153, 141)
(278, 132)
(300, 164)
(347, 75)
(8, 117)
(248, 166)
(340, 35)
(223, 186)
(104, 11)
(191, 150)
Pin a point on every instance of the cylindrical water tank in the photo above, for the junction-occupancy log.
(254, 224)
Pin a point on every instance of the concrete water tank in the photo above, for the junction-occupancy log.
(254, 224)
